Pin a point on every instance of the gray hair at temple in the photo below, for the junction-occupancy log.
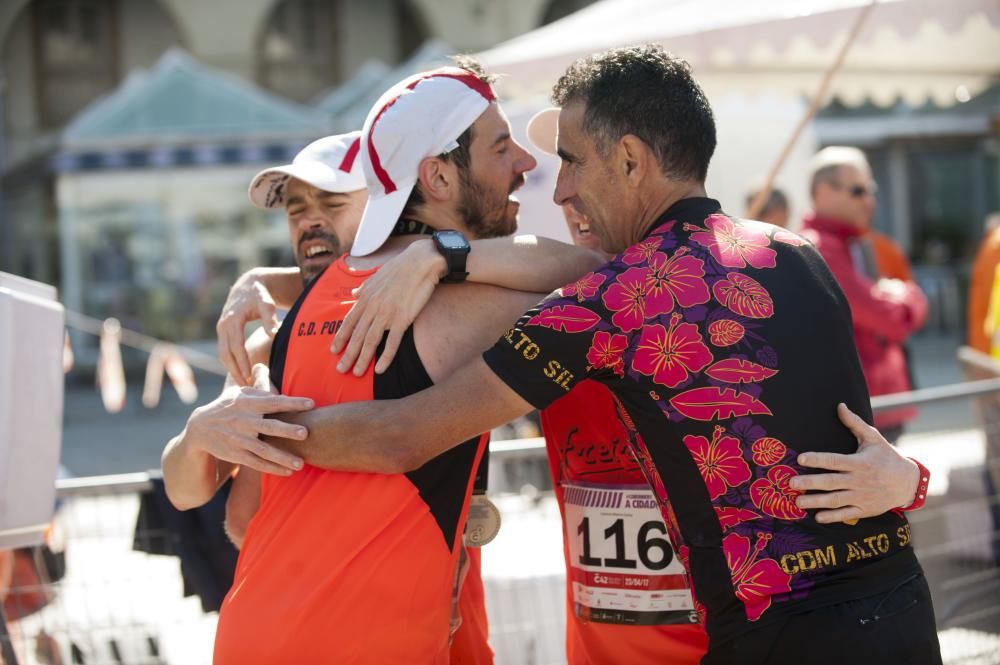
(825, 164)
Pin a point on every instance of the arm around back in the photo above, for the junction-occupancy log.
(396, 436)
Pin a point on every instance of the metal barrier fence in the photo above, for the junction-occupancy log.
(118, 605)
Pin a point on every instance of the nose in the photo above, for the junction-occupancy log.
(565, 189)
(525, 162)
(311, 218)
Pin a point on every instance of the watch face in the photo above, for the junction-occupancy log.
(452, 240)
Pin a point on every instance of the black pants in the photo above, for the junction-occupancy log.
(890, 628)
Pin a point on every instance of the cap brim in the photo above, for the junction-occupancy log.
(543, 129)
(380, 216)
(267, 189)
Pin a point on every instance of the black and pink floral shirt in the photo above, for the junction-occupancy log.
(727, 344)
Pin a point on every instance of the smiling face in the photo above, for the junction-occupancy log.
(496, 170)
(591, 183)
(321, 224)
(579, 229)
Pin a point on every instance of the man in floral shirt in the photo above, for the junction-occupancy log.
(727, 345)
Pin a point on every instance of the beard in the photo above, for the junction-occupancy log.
(313, 267)
(485, 215)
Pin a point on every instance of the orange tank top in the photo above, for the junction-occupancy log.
(589, 457)
(342, 567)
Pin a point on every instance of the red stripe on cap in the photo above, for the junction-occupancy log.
(348, 163)
(456, 73)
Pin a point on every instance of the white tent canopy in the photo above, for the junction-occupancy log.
(916, 50)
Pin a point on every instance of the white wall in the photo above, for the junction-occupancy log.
(751, 132)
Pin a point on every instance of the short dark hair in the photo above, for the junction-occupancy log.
(459, 156)
(647, 92)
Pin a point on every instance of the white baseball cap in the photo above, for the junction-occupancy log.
(543, 129)
(329, 163)
(421, 116)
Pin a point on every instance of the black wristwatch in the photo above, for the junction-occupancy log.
(454, 248)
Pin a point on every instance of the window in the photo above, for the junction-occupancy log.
(75, 55)
(299, 49)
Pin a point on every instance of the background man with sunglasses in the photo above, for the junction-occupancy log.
(885, 311)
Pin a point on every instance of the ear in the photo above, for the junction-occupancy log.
(437, 179)
(635, 158)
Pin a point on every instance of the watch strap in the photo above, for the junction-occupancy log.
(920, 498)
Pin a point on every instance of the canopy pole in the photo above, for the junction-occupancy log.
(758, 201)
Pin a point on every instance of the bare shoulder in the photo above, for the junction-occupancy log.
(462, 320)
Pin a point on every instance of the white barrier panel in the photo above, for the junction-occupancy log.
(31, 407)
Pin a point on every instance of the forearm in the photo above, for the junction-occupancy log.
(284, 284)
(522, 263)
(397, 436)
(358, 436)
(529, 263)
(191, 476)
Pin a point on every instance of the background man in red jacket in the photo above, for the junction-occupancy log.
(885, 311)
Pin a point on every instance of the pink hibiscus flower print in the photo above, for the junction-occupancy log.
(669, 354)
(720, 461)
(725, 332)
(731, 516)
(585, 287)
(767, 451)
(627, 299)
(640, 252)
(744, 296)
(772, 495)
(606, 352)
(679, 278)
(663, 228)
(734, 245)
(756, 579)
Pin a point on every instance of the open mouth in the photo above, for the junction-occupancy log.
(583, 229)
(318, 250)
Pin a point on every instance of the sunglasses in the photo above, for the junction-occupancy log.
(859, 191)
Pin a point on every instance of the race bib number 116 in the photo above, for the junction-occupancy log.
(622, 567)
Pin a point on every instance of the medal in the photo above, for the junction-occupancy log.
(483, 524)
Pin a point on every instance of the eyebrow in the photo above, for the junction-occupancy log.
(294, 200)
(565, 155)
(500, 139)
(332, 195)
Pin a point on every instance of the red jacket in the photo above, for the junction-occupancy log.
(882, 320)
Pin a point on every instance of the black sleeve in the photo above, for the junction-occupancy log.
(553, 347)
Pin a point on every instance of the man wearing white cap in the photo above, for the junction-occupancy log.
(391, 544)
(728, 347)
(323, 192)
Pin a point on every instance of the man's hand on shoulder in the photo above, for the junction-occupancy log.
(872, 481)
(229, 427)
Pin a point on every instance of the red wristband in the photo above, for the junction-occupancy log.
(921, 496)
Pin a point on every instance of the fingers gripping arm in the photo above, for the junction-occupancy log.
(396, 436)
